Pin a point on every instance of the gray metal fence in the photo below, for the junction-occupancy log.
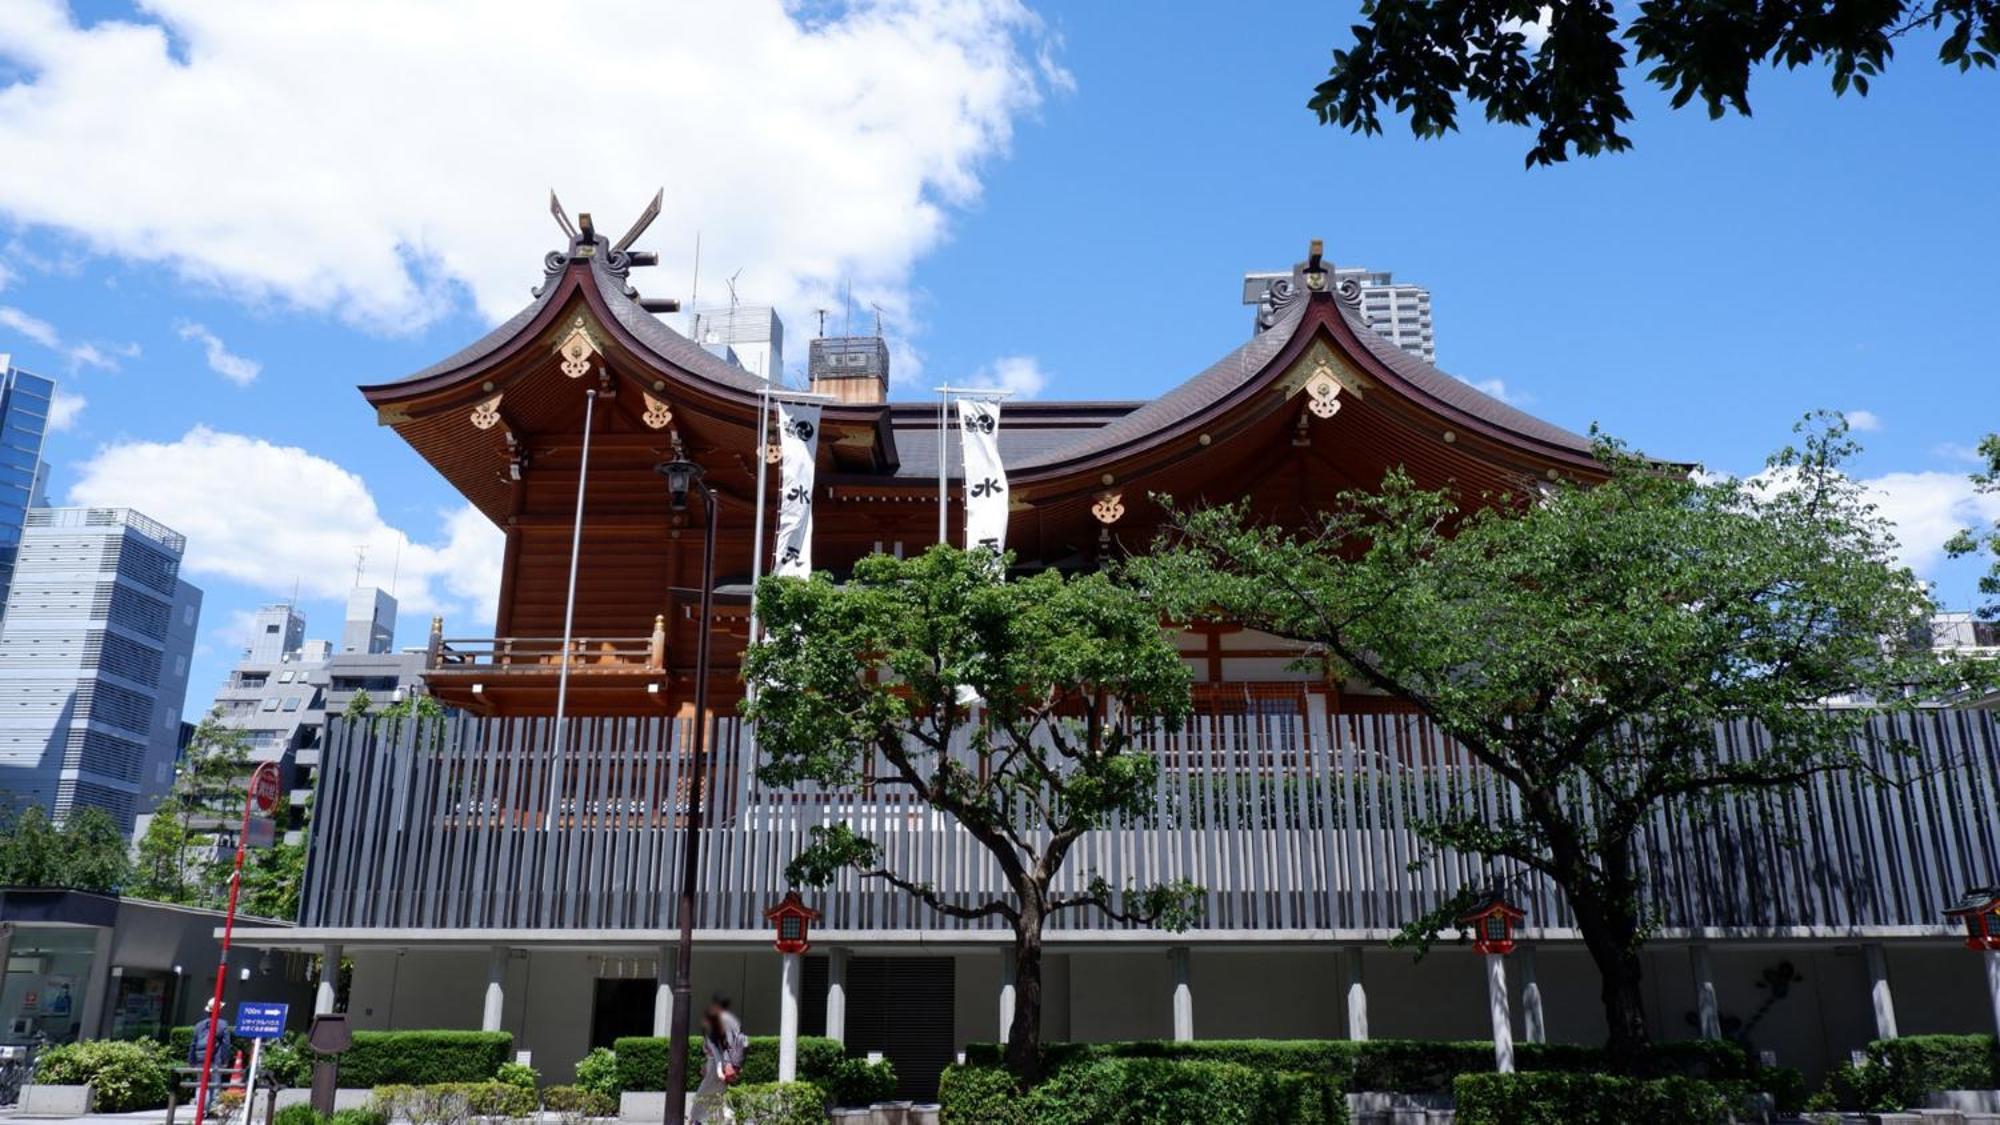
(1288, 825)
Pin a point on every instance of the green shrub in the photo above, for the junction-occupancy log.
(519, 1074)
(288, 1061)
(1898, 1073)
(299, 1114)
(392, 1101)
(598, 1072)
(357, 1117)
(642, 1061)
(126, 1075)
(421, 1058)
(979, 1095)
(857, 1082)
(777, 1103)
(1149, 1091)
(574, 1103)
(1588, 1099)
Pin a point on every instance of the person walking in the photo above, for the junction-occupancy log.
(721, 1063)
(212, 1024)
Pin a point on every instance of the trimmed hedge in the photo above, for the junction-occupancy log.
(642, 1061)
(424, 1058)
(1899, 1072)
(125, 1075)
(1407, 1066)
(1589, 1099)
(1143, 1091)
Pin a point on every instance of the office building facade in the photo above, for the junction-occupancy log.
(24, 421)
(94, 654)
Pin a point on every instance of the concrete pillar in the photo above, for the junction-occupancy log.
(836, 995)
(1503, 1017)
(1357, 997)
(1708, 1013)
(1879, 999)
(328, 992)
(788, 1018)
(496, 989)
(1183, 995)
(91, 1020)
(7, 950)
(1533, 1029)
(1006, 993)
(663, 994)
(1993, 984)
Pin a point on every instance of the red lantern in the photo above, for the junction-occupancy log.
(1491, 921)
(1979, 908)
(793, 920)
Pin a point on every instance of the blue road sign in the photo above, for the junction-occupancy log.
(260, 1021)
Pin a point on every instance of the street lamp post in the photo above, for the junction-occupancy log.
(684, 476)
(260, 796)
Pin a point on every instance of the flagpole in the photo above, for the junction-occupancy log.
(944, 405)
(757, 546)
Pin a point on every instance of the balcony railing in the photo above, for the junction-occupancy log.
(543, 654)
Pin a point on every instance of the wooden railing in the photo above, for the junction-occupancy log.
(645, 654)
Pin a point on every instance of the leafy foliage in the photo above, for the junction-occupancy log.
(639, 1062)
(1589, 1099)
(420, 1058)
(598, 1072)
(87, 853)
(1017, 707)
(777, 1103)
(1560, 65)
(573, 1104)
(519, 1074)
(177, 856)
(272, 879)
(979, 1095)
(1984, 540)
(125, 1074)
(1899, 1072)
(1140, 1091)
(1584, 645)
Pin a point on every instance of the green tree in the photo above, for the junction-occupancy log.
(1017, 707)
(86, 853)
(1984, 540)
(1560, 65)
(1584, 643)
(177, 859)
(272, 878)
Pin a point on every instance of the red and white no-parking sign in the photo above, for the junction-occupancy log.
(264, 791)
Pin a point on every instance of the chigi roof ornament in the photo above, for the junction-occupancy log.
(618, 257)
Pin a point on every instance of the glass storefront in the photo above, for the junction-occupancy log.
(48, 973)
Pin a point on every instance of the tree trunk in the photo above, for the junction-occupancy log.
(1024, 1035)
(1612, 936)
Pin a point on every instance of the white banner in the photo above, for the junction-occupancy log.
(798, 445)
(985, 477)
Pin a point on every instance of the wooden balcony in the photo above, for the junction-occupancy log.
(521, 675)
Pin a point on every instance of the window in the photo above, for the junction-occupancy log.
(271, 704)
(269, 629)
(285, 677)
(291, 703)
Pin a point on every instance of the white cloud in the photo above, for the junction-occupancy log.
(221, 360)
(64, 409)
(403, 153)
(90, 355)
(1536, 33)
(270, 515)
(1863, 421)
(1926, 508)
(1020, 374)
(34, 328)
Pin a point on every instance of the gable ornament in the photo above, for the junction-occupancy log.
(658, 414)
(486, 415)
(576, 349)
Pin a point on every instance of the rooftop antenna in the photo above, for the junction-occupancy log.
(878, 317)
(396, 569)
(694, 291)
(847, 321)
(821, 313)
(360, 565)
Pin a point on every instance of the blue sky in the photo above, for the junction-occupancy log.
(213, 225)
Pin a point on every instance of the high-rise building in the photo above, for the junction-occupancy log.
(371, 621)
(1397, 310)
(94, 653)
(24, 421)
(284, 688)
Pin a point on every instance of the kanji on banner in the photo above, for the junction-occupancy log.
(985, 477)
(798, 445)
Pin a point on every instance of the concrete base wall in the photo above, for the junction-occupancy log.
(1815, 1016)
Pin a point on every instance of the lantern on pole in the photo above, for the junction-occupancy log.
(1491, 920)
(792, 919)
(1979, 910)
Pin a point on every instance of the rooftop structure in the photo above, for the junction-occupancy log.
(751, 336)
(1399, 311)
(24, 418)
